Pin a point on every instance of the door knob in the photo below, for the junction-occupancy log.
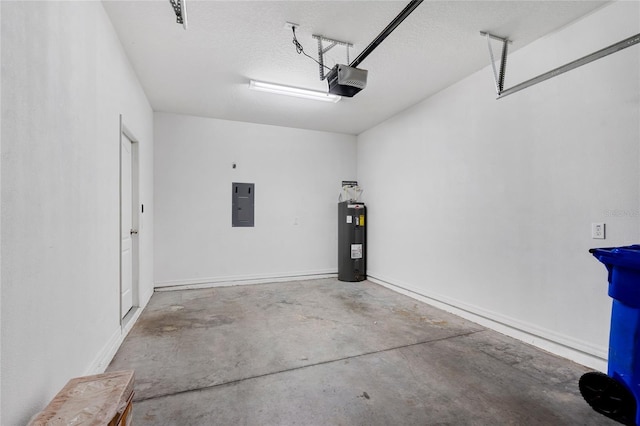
(133, 231)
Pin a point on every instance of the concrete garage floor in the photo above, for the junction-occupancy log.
(325, 352)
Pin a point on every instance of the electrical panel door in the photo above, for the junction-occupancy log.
(242, 204)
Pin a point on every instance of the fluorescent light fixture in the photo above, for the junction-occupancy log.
(293, 91)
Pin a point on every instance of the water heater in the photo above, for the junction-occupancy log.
(352, 249)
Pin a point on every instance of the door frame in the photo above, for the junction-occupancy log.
(135, 219)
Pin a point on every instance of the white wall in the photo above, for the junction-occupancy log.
(297, 176)
(65, 81)
(486, 205)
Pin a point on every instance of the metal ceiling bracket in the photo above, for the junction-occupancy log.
(409, 8)
(499, 78)
(180, 9)
(324, 49)
(616, 47)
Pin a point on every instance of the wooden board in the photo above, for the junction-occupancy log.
(101, 399)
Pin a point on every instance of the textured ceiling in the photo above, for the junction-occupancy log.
(205, 70)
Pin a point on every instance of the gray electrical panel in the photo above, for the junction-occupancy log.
(352, 249)
(242, 204)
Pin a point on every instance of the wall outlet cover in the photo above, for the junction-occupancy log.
(598, 231)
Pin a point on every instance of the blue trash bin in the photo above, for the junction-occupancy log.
(616, 394)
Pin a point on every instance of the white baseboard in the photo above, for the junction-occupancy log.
(242, 280)
(568, 347)
(104, 357)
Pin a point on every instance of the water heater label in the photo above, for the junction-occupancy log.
(356, 251)
(349, 219)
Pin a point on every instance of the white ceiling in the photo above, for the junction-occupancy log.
(205, 70)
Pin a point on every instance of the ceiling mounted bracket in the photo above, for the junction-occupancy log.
(499, 78)
(324, 49)
(180, 9)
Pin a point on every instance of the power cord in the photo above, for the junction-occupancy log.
(300, 49)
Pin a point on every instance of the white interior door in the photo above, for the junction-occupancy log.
(126, 227)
